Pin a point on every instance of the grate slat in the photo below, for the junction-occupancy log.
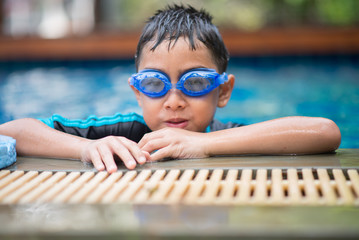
(342, 186)
(327, 189)
(228, 187)
(21, 179)
(164, 187)
(103, 187)
(354, 177)
(57, 188)
(26, 187)
(10, 178)
(149, 186)
(212, 187)
(119, 187)
(234, 187)
(196, 186)
(310, 190)
(294, 194)
(244, 187)
(277, 190)
(73, 187)
(4, 173)
(88, 188)
(180, 186)
(260, 187)
(33, 195)
(134, 186)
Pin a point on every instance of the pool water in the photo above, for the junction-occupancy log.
(266, 88)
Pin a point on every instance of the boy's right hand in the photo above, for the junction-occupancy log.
(102, 153)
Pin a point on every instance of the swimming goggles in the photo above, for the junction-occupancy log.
(196, 82)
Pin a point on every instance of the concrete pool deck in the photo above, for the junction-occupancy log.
(177, 221)
(343, 158)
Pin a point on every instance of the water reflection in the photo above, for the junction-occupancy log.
(265, 88)
(73, 93)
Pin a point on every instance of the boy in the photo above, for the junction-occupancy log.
(180, 81)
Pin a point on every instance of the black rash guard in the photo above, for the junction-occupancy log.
(131, 126)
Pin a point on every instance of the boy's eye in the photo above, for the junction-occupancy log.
(196, 84)
(152, 85)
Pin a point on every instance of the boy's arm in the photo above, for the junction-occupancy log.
(34, 138)
(291, 135)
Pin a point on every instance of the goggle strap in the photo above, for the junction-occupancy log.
(132, 80)
(223, 78)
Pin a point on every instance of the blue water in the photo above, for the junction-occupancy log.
(266, 88)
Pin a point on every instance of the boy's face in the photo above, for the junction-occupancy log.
(175, 109)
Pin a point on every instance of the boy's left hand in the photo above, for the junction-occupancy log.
(175, 143)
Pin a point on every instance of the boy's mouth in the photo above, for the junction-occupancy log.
(177, 123)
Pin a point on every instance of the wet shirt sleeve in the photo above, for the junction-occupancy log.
(217, 125)
(131, 126)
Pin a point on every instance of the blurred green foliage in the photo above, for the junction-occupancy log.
(245, 15)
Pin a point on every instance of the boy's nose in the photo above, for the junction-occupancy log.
(175, 100)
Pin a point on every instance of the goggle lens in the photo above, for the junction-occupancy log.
(196, 84)
(152, 85)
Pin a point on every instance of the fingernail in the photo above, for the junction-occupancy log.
(131, 163)
(142, 159)
(112, 169)
(100, 167)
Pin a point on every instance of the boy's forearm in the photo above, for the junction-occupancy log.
(291, 135)
(33, 138)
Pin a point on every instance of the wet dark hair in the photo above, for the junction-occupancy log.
(177, 21)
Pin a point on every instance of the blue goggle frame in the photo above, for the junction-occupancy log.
(208, 78)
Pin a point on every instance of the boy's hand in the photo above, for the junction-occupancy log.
(175, 143)
(101, 153)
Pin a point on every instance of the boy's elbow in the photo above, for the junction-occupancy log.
(330, 134)
(18, 127)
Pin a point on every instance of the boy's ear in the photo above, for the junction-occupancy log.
(225, 91)
(137, 93)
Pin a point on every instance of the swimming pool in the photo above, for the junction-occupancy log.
(266, 88)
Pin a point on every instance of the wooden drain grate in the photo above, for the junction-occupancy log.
(232, 187)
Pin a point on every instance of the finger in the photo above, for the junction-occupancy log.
(134, 150)
(144, 140)
(147, 155)
(124, 154)
(155, 144)
(107, 159)
(149, 137)
(126, 158)
(96, 160)
(161, 154)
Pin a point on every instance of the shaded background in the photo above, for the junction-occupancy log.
(81, 29)
(290, 57)
(63, 18)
